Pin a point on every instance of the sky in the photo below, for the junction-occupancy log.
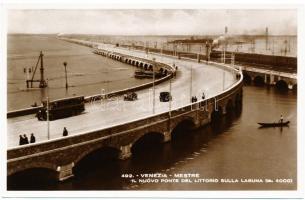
(153, 22)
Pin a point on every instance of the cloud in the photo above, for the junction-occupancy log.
(152, 22)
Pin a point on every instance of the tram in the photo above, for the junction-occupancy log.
(61, 108)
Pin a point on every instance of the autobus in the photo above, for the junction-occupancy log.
(62, 108)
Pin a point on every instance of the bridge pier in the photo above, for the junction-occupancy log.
(204, 117)
(271, 79)
(65, 171)
(167, 136)
(224, 110)
(125, 152)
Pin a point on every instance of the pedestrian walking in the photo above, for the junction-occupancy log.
(26, 140)
(65, 132)
(32, 138)
(21, 140)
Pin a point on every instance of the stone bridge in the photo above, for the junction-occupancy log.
(61, 155)
(141, 63)
(258, 76)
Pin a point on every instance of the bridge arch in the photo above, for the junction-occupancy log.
(31, 178)
(141, 65)
(145, 66)
(33, 165)
(229, 106)
(182, 126)
(259, 81)
(247, 78)
(150, 68)
(92, 150)
(146, 141)
(216, 114)
(238, 100)
(281, 85)
(137, 64)
(133, 62)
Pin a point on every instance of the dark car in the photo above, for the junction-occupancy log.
(165, 96)
(131, 96)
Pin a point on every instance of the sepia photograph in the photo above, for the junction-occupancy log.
(151, 99)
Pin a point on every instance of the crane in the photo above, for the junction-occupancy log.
(42, 82)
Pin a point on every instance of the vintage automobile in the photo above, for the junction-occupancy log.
(165, 97)
(130, 96)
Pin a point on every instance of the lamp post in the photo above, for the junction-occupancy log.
(48, 118)
(65, 65)
(154, 92)
(191, 82)
(223, 80)
(170, 98)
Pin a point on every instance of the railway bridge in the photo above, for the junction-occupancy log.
(259, 76)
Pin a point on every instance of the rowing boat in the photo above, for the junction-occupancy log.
(274, 124)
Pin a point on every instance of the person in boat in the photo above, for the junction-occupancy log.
(281, 119)
(32, 138)
(65, 132)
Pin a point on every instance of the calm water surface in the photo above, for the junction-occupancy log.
(236, 148)
(88, 73)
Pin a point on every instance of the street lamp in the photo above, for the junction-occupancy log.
(154, 92)
(65, 65)
(48, 117)
(170, 98)
(191, 87)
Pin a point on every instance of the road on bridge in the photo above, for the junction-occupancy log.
(105, 113)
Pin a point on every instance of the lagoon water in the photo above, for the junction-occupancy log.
(88, 73)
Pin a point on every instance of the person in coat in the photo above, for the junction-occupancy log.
(32, 138)
(65, 132)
